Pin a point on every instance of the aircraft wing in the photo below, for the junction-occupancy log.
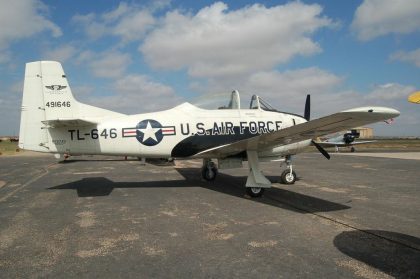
(341, 143)
(56, 123)
(309, 130)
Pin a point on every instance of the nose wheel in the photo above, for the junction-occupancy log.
(288, 176)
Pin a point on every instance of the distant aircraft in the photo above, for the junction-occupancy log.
(53, 121)
(414, 98)
(345, 140)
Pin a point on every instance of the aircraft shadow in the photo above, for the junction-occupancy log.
(226, 184)
(395, 254)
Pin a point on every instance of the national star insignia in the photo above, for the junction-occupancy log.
(149, 132)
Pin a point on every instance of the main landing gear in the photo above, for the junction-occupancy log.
(255, 192)
(256, 181)
(209, 170)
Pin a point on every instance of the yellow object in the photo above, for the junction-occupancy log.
(414, 98)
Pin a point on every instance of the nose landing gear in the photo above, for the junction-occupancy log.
(288, 176)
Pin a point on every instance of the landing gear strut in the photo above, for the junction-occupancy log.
(209, 170)
(288, 176)
(256, 181)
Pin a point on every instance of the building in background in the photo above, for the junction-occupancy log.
(365, 132)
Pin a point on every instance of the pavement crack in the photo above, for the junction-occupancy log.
(44, 171)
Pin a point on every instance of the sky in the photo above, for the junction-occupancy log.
(142, 56)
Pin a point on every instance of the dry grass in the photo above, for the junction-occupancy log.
(9, 148)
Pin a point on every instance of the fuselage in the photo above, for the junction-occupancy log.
(183, 131)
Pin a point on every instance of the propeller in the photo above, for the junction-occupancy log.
(320, 149)
(307, 116)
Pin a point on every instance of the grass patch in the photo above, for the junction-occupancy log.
(8, 148)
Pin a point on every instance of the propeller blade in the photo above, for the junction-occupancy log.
(322, 150)
(307, 114)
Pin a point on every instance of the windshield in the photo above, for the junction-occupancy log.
(231, 101)
(257, 102)
(219, 101)
(266, 106)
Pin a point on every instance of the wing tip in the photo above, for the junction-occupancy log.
(390, 112)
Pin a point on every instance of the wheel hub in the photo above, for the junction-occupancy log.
(255, 190)
(289, 177)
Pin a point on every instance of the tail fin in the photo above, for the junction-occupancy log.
(47, 103)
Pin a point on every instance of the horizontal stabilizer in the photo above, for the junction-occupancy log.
(56, 123)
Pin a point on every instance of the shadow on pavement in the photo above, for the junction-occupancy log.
(226, 184)
(393, 253)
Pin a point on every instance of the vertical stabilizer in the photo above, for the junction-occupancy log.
(46, 96)
(48, 101)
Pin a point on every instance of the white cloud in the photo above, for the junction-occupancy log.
(17, 87)
(374, 18)
(23, 19)
(5, 55)
(84, 57)
(109, 64)
(219, 42)
(61, 53)
(138, 94)
(129, 22)
(92, 29)
(287, 90)
(292, 83)
(390, 91)
(412, 57)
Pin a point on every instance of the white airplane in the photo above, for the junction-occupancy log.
(53, 121)
(344, 140)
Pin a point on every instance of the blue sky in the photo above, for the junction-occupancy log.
(141, 56)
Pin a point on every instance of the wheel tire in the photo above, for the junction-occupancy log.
(255, 192)
(209, 174)
(287, 178)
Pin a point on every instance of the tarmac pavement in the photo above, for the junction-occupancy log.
(350, 217)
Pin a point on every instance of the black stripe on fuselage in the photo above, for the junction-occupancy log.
(198, 143)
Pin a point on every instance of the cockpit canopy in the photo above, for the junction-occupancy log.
(256, 102)
(259, 103)
(219, 101)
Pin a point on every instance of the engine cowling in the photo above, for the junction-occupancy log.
(349, 137)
